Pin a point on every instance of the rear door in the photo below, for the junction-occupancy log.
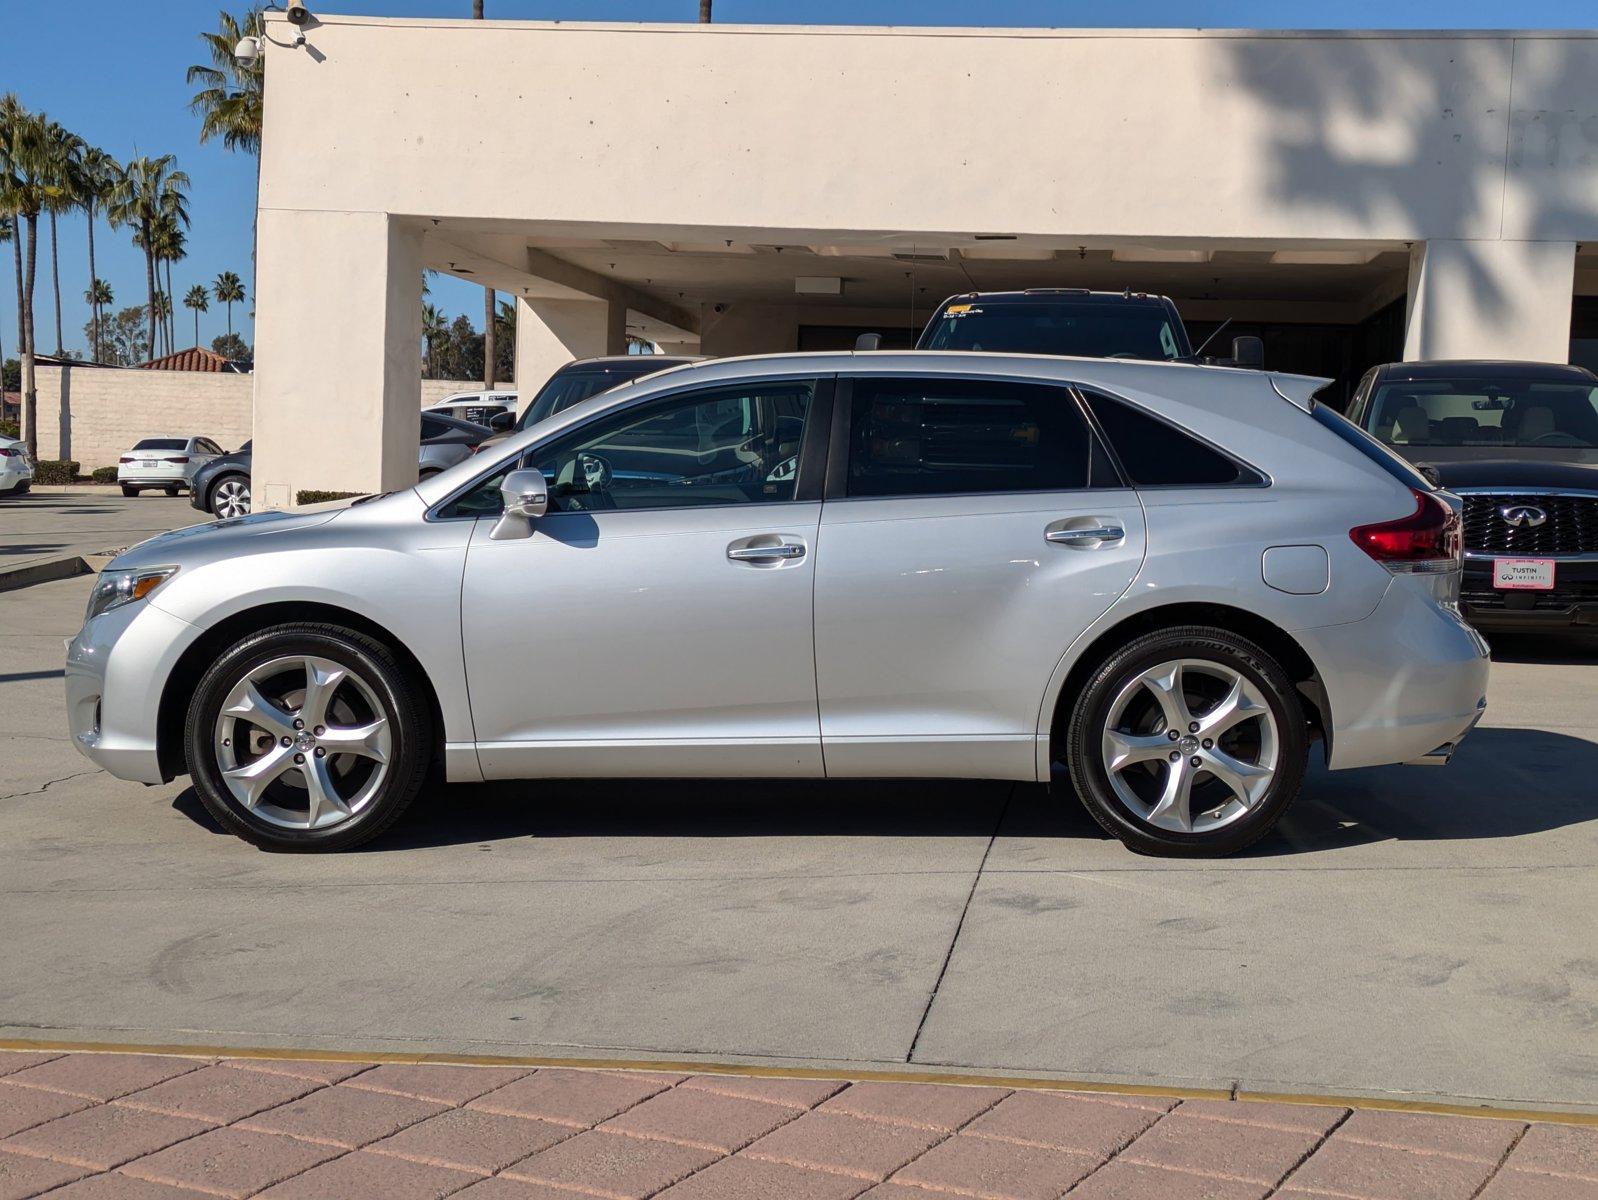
(972, 530)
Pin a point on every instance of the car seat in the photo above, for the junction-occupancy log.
(1412, 425)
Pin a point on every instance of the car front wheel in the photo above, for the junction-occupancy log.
(230, 496)
(1188, 741)
(307, 737)
(129, 491)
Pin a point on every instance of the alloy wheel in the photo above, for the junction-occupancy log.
(1190, 745)
(302, 742)
(231, 499)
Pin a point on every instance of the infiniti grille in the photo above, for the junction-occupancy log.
(1571, 526)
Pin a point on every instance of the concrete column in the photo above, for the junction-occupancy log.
(551, 333)
(1490, 299)
(338, 354)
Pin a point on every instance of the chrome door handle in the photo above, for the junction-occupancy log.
(764, 553)
(1104, 533)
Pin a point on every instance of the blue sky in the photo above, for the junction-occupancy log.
(112, 70)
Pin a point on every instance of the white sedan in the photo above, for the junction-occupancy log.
(16, 468)
(168, 463)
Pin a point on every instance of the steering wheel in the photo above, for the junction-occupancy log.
(596, 471)
(1557, 437)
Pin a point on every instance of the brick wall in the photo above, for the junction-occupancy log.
(94, 414)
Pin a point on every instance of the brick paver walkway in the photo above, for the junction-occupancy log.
(153, 1127)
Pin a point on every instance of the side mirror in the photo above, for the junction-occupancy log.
(868, 341)
(1248, 352)
(502, 422)
(525, 496)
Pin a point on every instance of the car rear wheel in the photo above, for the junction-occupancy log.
(307, 737)
(171, 491)
(230, 496)
(1188, 741)
(129, 491)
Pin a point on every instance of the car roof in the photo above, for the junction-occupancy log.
(1485, 368)
(650, 362)
(1046, 295)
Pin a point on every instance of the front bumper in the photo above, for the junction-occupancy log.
(115, 670)
(1571, 605)
(1405, 681)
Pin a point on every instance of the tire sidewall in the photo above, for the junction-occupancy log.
(216, 486)
(1086, 763)
(408, 724)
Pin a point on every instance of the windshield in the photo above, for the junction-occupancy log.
(1090, 329)
(1486, 412)
(160, 444)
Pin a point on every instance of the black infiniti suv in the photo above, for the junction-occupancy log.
(1518, 442)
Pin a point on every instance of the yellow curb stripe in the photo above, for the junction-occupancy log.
(761, 1071)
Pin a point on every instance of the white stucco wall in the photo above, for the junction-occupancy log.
(105, 411)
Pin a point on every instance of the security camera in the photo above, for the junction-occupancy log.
(246, 50)
(298, 14)
(721, 308)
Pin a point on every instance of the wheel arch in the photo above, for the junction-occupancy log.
(192, 664)
(1272, 638)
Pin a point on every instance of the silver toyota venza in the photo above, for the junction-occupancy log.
(1161, 581)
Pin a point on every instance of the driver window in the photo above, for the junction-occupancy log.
(735, 445)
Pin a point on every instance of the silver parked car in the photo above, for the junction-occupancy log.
(1169, 579)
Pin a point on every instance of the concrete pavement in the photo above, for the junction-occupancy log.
(50, 524)
(1408, 933)
(147, 1127)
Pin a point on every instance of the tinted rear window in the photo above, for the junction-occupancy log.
(1156, 454)
(162, 444)
(1089, 329)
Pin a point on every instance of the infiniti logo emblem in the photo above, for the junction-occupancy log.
(1522, 516)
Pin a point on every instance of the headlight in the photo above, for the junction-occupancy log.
(116, 588)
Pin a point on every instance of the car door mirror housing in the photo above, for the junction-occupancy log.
(525, 498)
(501, 422)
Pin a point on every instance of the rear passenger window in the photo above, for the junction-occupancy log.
(1155, 454)
(932, 437)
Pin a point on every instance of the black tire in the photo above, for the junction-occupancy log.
(216, 486)
(399, 697)
(129, 491)
(171, 491)
(1086, 728)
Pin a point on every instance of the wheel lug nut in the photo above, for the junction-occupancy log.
(1208, 743)
(299, 758)
(1192, 726)
(1197, 761)
(320, 731)
(299, 724)
(1173, 734)
(321, 753)
(287, 741)
(1176, 756)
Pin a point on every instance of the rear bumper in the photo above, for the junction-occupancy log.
(1402, 683)
(1571, 605)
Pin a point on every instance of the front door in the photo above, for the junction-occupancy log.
(657, 621)
(974, 531)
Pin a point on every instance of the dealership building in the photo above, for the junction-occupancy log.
(1351, 198)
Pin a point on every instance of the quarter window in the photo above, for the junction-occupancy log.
(930, 437)
(1155, 454)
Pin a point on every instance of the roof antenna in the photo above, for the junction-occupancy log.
(1211, 338)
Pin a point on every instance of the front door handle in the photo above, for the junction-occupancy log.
(766, 549)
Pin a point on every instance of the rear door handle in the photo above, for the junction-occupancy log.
(766, 549)
(1088, 538)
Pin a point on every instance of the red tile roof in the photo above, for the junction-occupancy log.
(195, 359)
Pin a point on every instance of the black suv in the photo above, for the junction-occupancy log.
(1071, 321)
(1518, 442)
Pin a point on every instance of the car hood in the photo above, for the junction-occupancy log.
(1510, 474)
(219, 539)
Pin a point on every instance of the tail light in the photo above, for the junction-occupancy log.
(1426, 542)
(474, 449)
(179, 461)
(126, 459)
(8, 452)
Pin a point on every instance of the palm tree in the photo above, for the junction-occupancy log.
(163, 310)
(64, 194)
(100, 172)
(7, 234)
(149, 190)
(23, 168)
(169, 248)
(229, 101)
(434, 326)
(229, 290)
(199, 300)
(704, 12)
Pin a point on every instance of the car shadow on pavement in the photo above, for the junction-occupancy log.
(1503, 783)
